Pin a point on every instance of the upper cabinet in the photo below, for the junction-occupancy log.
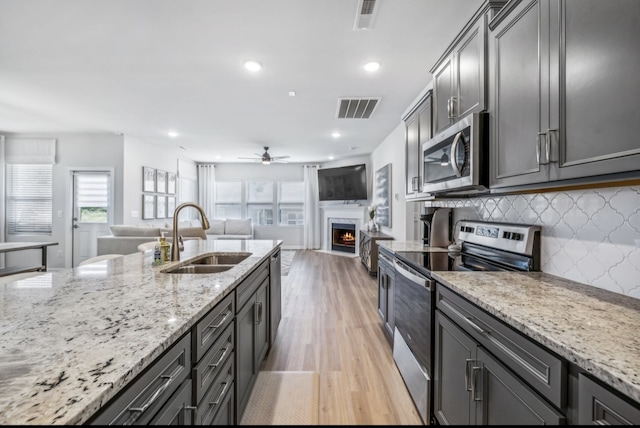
(564, 77)
(459, 78)
(417, 130)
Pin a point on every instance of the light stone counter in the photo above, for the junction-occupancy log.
(410, 247)
(71, 339)
(594, 328)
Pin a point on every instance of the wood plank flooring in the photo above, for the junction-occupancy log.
(330, 325)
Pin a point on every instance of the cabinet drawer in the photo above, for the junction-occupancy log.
(212, 362)
(206, 331)
(149, 392)
(541, 369)
(597, 405)
(214, 398)
(245, 290)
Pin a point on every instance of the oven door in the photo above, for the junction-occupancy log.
(413, 307)
(452, 159)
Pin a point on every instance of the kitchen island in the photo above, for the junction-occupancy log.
(70, 340)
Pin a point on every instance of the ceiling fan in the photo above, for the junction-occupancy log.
(266, 158)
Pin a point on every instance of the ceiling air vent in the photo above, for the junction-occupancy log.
(365, 13)
(356, 108)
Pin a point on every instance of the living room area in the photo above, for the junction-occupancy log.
(123, 159)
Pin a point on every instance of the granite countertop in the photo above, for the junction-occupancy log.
(410, 247)
(594, 328)
(71, 339)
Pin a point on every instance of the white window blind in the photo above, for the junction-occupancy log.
(260, 202)
(92, 197)
(291, 203)
(228, 199)
(29, 198)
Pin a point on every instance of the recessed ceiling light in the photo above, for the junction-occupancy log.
(330, 157)
(292, 93)
(252, 65)
(372, 66)
(335, 135)
(172, 134)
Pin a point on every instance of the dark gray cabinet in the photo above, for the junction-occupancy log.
(486, 373)
(564, 77)
(150, 394)
(459, 78)
(252, 332)
(386, 282)
(417, 131)
(599, 405)
(275, 295)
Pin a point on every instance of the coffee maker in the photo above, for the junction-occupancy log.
(436, 231)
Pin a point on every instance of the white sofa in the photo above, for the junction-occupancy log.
(124, 239)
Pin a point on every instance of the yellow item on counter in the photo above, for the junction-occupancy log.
(165, 248)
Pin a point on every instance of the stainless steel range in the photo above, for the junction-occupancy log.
(483, 246)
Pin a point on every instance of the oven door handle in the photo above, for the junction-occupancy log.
(416, 279)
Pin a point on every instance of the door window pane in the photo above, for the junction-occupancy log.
(92, 197)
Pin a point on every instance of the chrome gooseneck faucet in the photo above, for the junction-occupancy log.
(177, 244)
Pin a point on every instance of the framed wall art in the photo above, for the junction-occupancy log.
(148, 179)
(148, 207)
(161, 181)
(171, 183)
(383, 196)
(161, 206)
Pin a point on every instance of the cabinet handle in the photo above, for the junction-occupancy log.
(453, 113)
(474, 378)
(548, 143)
(221, 321)
(194, 409)
(449, 108)
(154, 396)
(224, 390)
(475, 326)
(538, 148)
(217, 363)
(466, 374)
(257, 312)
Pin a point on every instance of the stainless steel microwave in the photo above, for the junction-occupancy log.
(456, 160)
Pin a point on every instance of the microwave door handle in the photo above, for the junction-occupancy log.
(454, 149)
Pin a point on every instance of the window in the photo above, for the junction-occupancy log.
(187, 192)
(260, 202)
(291, 203)
(29, 198)
(228, 197)
(92, 197)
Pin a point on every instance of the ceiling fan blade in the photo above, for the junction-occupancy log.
(279, 157)
(250, 158)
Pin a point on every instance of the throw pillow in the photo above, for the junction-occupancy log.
(126, 230)
(237, 226)
(216, 227)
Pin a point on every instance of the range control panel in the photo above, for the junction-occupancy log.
(516, 238)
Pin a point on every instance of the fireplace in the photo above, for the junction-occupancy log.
(343, 237)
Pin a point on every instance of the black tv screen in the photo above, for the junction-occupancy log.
(343, 184)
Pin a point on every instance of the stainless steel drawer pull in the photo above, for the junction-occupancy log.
(466, 374)
(217, 363)
(224, 391)
(154, 396)
(474, 379)
(476, 326)
(224, 318)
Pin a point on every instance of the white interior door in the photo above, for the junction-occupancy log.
(92, 212)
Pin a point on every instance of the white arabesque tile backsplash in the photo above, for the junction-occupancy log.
(590, 236)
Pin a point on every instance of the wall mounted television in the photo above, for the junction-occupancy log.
(344, 183)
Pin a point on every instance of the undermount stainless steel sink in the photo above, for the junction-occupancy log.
(200, 268)
(210, 263)
(221, 259)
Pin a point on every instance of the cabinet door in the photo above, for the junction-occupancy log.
(245, 330)
(454, 351)
(262, 325)
(382, 291)
(599, 406)
(517, 52)
(469, 72)
(225, 415)
(443, 92)
(390, 322)
(600, 87)
(503, 399)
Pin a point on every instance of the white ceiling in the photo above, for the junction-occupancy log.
(144, 67)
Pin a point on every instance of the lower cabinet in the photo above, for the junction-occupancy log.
(474, 388)
(252, 333)
(386, 281)
(599, 405)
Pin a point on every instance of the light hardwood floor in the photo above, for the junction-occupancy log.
(330, 325)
